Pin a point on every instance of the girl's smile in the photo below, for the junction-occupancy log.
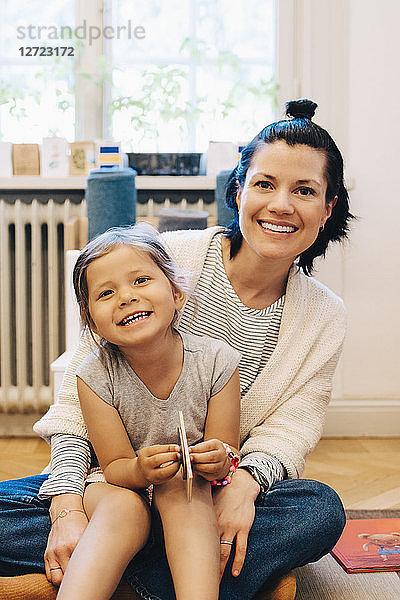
(134, 318)
(131, 301)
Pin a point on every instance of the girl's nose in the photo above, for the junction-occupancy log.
(126, 297)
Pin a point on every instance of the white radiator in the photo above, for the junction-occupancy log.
(32, 307)
(36, 309)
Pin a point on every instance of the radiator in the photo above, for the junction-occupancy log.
(33, 294)
(32, 307)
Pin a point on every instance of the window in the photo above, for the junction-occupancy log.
(197, 70)
(204, 71)
(36, 93)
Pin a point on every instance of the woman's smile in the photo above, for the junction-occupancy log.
(282, 204)
(278, 227)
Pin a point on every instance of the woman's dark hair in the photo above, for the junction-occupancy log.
(297, 129)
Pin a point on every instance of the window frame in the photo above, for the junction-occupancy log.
(189, 62)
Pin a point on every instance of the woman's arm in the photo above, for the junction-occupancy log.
(69, 466)
(117, 458)
(65, 416)
(70, 456)
(288, 435)
(69, 521)
(291, 432)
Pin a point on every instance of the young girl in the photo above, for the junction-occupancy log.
(131, 390)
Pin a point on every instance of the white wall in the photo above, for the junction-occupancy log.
(348, 62)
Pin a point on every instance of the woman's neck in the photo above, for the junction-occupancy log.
(158, 364)
(257, 281)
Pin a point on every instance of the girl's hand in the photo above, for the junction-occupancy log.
(209, 460)
(158, 464)
(64, 535)
(235, 511)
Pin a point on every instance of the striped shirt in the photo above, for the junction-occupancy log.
(216, 311)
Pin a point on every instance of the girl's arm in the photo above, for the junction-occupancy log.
(209, 458)
(120, 464)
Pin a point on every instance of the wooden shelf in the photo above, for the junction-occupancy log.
(143, 182)
(36, 182)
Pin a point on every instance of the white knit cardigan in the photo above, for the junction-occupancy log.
(284, 410)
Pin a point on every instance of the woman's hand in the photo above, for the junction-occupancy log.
(209, 460)
(158, 464)
(64, 535)
(235, 511)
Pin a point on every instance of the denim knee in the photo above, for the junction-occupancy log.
(326, 508)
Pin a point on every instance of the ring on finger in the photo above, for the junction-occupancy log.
(226, 542)
(55, 568)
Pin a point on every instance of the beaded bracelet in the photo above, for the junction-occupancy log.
(235, 459)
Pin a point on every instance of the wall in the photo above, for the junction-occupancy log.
(346, 59)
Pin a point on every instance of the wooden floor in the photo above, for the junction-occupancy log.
(365, 472)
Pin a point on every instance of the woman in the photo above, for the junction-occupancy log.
(253, 290)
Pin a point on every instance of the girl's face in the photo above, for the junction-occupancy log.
(131, 301)
(282, 204)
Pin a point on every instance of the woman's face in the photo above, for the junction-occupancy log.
(282, 204)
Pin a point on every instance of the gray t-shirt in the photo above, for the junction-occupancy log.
(208, 365)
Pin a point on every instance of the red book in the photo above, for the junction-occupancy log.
(369, 545)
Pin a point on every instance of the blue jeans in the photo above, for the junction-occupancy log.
(297, 521)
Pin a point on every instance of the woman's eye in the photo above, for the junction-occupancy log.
(105, 293)
(265, 185)
(140, 280)
(306, 191)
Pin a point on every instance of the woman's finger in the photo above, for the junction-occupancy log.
(54, 572)
(226, 543)
(240, 552)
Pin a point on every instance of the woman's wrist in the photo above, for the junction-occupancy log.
(64, 502)
(247, 482)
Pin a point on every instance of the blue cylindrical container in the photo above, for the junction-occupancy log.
(225, 214)
(110, 199)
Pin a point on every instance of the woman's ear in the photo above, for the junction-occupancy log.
(329, 208)
(238, 197)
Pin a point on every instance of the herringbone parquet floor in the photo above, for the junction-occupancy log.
(364, 471)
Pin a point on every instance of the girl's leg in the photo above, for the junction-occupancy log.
(191, 538)
(118, 528)
(296, 522)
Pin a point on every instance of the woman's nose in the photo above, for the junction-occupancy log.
(281, 203)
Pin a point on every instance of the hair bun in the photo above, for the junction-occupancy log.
(301, 109)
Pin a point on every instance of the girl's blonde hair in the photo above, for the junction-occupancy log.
(142, 236)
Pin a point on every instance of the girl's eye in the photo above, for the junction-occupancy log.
(140, 280)
(105, 293)
(306, 191)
